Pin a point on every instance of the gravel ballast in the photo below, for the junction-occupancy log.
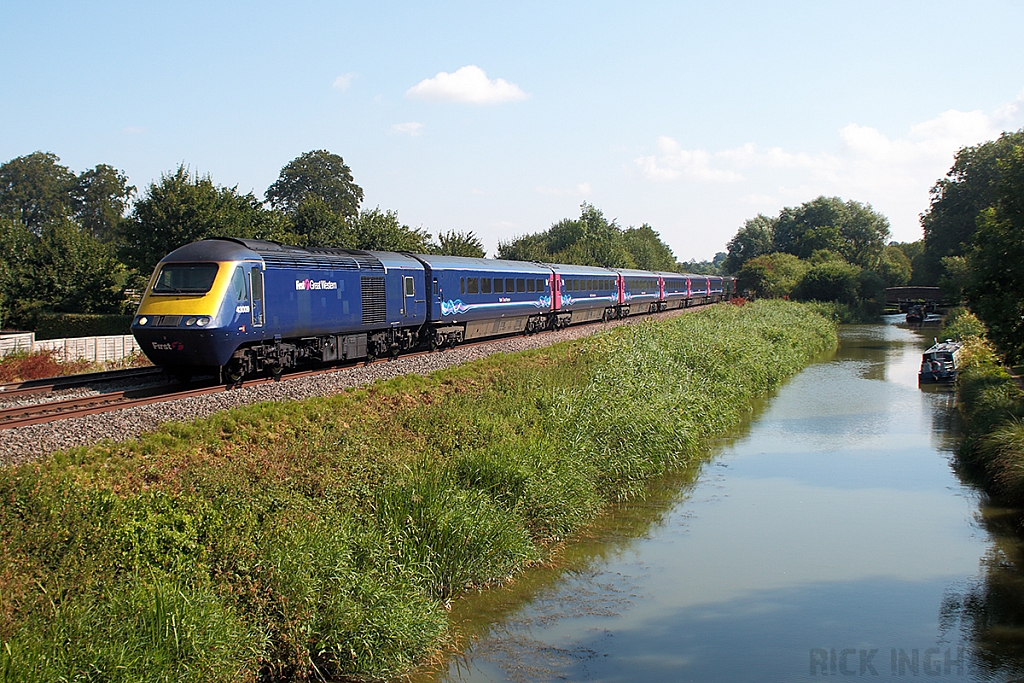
(23, 444)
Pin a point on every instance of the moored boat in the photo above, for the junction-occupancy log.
(940, 363)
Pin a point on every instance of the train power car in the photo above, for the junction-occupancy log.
(244, 306)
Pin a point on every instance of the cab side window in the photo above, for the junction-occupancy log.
(238, 284)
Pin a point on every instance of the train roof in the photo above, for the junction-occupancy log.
(569, 269)
(216, 249)
(494, 265)
(287, 256)
(633, 272)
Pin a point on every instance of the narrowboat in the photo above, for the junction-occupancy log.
(940, 363)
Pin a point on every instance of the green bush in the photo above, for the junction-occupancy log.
(961, 324)
(60, 325)
(992, 405)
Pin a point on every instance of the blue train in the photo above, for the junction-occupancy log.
(241, 307)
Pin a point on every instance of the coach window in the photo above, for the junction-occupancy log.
(499, 286)
(540, 285)
(472, 285)
(485, 285)
(530, 285)
(510, 285)
(520, 284)
(410, 286)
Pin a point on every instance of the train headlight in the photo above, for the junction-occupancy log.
(190, 322)
(143, 320)
(203, 321)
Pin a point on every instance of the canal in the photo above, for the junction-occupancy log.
(830, 536)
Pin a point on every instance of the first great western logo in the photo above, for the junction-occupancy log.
(307, 285)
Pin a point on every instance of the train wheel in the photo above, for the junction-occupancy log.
(275, 372)
(233, 372)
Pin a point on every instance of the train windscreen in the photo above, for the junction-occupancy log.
(185, 278)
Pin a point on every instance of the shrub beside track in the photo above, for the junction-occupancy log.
(323, 537)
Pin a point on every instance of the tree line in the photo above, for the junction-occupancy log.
(826, 249)
(76, 242)
(829, 249)
(593, 240)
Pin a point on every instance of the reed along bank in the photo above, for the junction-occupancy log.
(992, 404)
(323, 538)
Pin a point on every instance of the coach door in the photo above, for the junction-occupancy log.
(256, 280)
(414, 301)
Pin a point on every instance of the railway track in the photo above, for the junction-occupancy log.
(10, 390)
(52, 411)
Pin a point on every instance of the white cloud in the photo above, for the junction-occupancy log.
(893, 173)
(468, 84)
(343, 81)
(1009, 110)
(672, 162)
(412, 128)
(581, 189)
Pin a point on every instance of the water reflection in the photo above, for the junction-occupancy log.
(829, 537)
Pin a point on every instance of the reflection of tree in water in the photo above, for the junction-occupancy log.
(990, 613)
(946, 419)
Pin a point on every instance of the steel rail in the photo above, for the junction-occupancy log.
(50, 384)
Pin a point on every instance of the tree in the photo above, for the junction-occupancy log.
(894, 267)
(317, 174)
(378, 230)
(771, 275)
(957, 201)
(74, 272)
(755, 238)
(454, 243)
(62, 269)
(854, 230)
(995, 287)
(590, 240)
(647, 249)
(35, 189)
(183, 208)
(16, 247)
(100, 197)
(829, 281)
(319, 226)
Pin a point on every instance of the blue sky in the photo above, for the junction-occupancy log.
(502, 118)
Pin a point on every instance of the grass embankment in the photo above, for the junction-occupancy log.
(323, 537)
(992, 404)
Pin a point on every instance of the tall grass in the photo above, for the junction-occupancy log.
(322, 538)
(993, 406)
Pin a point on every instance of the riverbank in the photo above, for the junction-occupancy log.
(992, 404)
(324, 537)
